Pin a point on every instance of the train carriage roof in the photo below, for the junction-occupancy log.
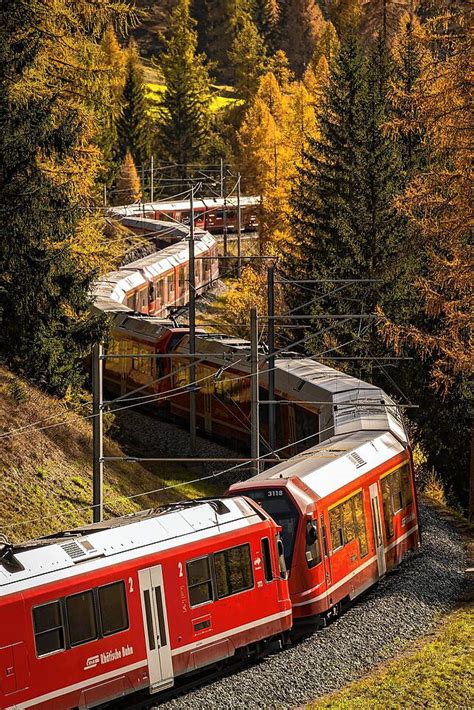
(181, 205)
(74, 552)
(328, 467)
(344, 403)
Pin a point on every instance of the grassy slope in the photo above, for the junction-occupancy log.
(438, 674)
(45, 476)
(222, 96)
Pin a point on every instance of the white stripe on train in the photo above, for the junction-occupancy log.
(352, 574)
(142, 664)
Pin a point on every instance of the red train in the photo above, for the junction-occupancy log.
(348, 512)
(155, 283)
(96, 613)
(210, 213)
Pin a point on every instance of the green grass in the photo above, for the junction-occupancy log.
(46, 474)
(218, 102)
(439, 674)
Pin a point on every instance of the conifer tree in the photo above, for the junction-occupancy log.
(109, 112)
(279, 66)
(344, 220)
(302, 24)
(128, 188)
(133, 124)
(327, 45)
(345, 15)
(184, 122)
(268, 17)
(247, 56)
(51, 78)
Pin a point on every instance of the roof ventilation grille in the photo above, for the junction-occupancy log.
(79, 551)
(357, 459)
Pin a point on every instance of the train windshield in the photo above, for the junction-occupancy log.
(277, 503)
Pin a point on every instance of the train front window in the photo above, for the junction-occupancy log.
(279, 506)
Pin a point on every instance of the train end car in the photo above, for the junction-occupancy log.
(348, 512)
(130, 604)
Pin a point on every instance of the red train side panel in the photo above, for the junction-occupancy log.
(348, 513)
(107, 611)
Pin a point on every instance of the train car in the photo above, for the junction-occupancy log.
(96, 613)
(348, 512)
(213, 214)
(157, 282)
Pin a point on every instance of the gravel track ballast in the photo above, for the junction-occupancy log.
(402, 607)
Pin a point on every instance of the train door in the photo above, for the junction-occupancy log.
(155, 622)
(377, 524)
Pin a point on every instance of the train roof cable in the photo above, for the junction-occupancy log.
(173, 486)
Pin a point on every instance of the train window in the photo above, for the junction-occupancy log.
(233, 568)
(181, 278)
(82, 623)
(360, 524)
(267, 560)
(335, 522)
(199, 581)
(159, 290)
(387, 506)
(347, 522)
(396, 495)
(48, 628)
(171, 283)
(280, 507)
(281, 557)
(113, 608)
(406, 486)
(313, 550)
(181, 373)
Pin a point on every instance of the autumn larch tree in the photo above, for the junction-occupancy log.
(109, 113)
(302, 23)
(438, 203)
(128, 189)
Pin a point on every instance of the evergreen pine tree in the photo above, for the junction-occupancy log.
(247, 56)
(133, 127)
(268, 17)
(344, 219)
(109, 112)
(48, 165)
(184, 122)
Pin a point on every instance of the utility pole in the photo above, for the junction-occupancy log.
(271, 358)
(192, 327)
(151, 179)
(97, 434)
(254, 405)
(239, 229)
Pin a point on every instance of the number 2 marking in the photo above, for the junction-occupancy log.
(180, 568)
(130, 584)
